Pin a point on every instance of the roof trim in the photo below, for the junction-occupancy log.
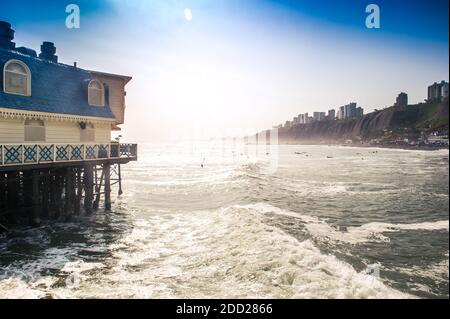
(123, 77)
(21, 114)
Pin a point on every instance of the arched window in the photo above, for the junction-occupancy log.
(17, 78)
(96, 93)
(34, 131)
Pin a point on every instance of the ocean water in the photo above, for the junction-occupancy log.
(288, 222)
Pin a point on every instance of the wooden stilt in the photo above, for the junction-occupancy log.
(98, 189)
(45, 194)
(120, 179)
(107, 174)
(2, 192)
(56, 194)
(88, 180)
(79, 190)
(69, 188)
(12, 189)
(27, 193)
(35, 199)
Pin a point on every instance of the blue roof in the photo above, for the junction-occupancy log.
(55, 88)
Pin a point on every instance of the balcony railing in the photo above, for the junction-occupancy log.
(23, 154)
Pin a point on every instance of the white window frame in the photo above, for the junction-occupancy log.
(28, 76)
(102, 92)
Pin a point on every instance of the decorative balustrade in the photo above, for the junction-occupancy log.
(23, 154)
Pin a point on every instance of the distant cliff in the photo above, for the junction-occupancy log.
(406, 121)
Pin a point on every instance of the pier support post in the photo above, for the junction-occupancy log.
(79, 190)
(107, 174)
(35, 199)
(2, 192)
(12, 191)
(27, 194)
(88, 180)
(45, 194)
(56, 193)
(98, 187)
(69, 190)
(120, 179)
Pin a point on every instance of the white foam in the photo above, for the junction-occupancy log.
(365, 233)
(228, 253)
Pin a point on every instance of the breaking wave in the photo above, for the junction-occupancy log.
(229, 252)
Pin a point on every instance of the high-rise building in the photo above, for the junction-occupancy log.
(301, 119)
(401, 100)
(359, 112)
(349, 111)
(444, 91)
(438, 91)
(331, 114)
(340, 114)
(318, 116)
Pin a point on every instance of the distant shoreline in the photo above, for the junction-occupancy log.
(402, 147)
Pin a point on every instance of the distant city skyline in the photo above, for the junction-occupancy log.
(437, 92)
(229, 65)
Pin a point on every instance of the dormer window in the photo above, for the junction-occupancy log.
(17, 78)
(96, 93)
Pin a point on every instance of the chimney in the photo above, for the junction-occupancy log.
(48, 51)
(6, 36)
(75, 65)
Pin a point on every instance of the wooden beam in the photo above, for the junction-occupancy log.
(69, 194)
(98, 188)
(45, 194)
(12, 189)
(120, 179)
(79, 190)
(35, 199)
(56, 193)
(3, 199)
(88, 180)
(27, 194)
(107, 174)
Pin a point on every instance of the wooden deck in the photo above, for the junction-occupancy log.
(54, 181)
(41, 155)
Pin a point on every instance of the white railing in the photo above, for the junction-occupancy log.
(37, 153)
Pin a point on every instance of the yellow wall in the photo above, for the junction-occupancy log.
(11, 131)
(103, 133)
(59, 132)
(62, 132)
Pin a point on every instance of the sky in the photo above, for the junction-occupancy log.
(233, 67)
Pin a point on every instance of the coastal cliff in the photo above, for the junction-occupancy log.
(393, 122)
